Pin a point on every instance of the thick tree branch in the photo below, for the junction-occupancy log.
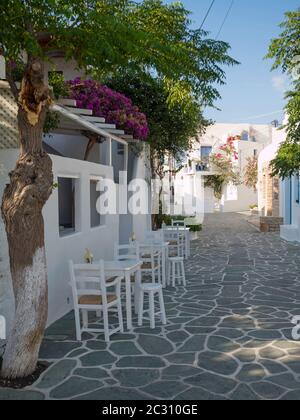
(93, 138)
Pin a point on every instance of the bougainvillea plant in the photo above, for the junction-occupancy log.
(223, 163)
(115, 107)
(251, 173)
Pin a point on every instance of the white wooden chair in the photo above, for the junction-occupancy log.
(90, 294)
(181, 223)
(127, 252)
(154, 236)
(176, 240)
(151, 258)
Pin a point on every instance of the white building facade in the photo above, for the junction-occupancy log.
(251, 140)
(72, 222)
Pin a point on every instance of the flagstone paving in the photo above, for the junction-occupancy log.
(229, 332)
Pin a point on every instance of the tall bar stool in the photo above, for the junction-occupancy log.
(176, 271)
(151, 290)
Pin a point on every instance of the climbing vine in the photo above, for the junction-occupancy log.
(223, 164)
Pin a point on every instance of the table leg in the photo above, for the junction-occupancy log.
(138, 281)
(164, 278)
(128, 301)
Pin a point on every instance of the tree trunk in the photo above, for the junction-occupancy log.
(23, 200)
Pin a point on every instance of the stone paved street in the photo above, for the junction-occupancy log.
(228, 334)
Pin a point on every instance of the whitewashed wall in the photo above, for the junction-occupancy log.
(60, 249)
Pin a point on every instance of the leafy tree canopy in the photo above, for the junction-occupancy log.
(172, 125)
(108, 35)
(285, 51)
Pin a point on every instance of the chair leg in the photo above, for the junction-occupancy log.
(183, 274)
(141, 307)
(77, 324)
(159, 274)
(152, 310)
(169, 277)
(174, 273)
(120, 316)
(85, 318)
(106, 325)
(162, 307)
(153, 275)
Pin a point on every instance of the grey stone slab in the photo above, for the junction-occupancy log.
(292, 396)
(125, 348)
(212, 383)
(268, 391)
(135, 378)
(251, 373)
(74, 386)
(195, 343)
(18, 395)
(182, 358)
(97, 358)
(91, 373)
(181, 371)
(198, 394)
(114, 394)
(217, 363)
(141, 362)
(244, 393)
(56, 374)
(57, 349)
(221, 344)
(165, 389)
(155, 345)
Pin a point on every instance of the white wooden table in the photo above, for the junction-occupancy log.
(125, 269)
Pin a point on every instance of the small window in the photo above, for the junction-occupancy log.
(245, 136)
(94, 196)
(67, 205)
(255, 153)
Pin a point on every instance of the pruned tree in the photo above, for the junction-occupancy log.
(102, 36)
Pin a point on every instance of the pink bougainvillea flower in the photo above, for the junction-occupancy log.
(115, 107)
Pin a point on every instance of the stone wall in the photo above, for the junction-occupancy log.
(271, 224)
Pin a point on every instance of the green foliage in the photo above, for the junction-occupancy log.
(57, 83)
(106, 36)
(285, 51)
(51, 122)
(287, 161)
(172, 126)
(215, 182)
(223, 164)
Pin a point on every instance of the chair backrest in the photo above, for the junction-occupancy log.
(179, 223)
(87, 279)
(154, 236)
(127, 252)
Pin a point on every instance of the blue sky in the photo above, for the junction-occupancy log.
(252, 89)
